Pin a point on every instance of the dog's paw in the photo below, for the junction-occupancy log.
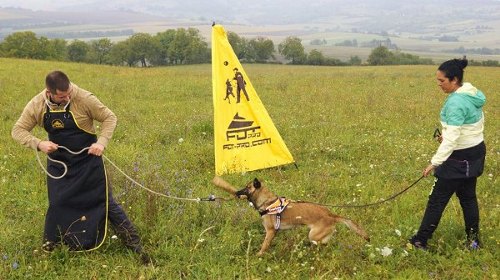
(259, 254)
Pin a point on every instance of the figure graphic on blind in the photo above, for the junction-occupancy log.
(229, 91)
(240, 85)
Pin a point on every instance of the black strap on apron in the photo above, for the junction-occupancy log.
(77, 213)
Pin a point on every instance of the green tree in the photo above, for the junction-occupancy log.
(237, 43)
(293, 50)
(197, 51)
(263, 49)
(490, 63)
(22, 45)
(188, 47)
(241, 47)
(78, 51)
(178, 47)
(57, 49)
(355, 60)
(164, 39)
(121, 54)
(143, 48)
(381, 56)
(43, 51)
(315, 57)
(100, 51)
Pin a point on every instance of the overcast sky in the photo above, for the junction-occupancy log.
(39, 4)
(55, 4)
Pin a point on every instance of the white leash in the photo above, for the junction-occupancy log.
(114, 165)
(58, 161)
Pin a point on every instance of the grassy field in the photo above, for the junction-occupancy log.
(358, 134)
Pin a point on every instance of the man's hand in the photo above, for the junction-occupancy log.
(96, 149)
(47, 146)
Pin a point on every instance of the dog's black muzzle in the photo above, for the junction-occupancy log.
(241, 193)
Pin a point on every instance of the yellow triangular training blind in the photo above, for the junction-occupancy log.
(245, 136)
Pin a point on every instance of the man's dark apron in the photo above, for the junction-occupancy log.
(77, 213)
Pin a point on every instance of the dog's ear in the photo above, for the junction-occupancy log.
(256, 183)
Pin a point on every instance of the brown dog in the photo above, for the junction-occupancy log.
(279, 213)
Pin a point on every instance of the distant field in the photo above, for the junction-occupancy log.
(358, 135)
(333, 31)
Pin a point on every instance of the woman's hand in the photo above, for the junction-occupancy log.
(428, 170)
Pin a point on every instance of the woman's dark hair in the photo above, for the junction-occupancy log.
(454, 68)
(57, 80)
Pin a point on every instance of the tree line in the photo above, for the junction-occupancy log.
(181, 46)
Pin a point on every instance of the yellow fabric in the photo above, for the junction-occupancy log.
(244, 134)
(278, 206)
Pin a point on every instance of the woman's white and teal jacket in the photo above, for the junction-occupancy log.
(462, 119)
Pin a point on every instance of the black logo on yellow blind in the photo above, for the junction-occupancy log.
(244, 133)
(57, 124)
(240, 85)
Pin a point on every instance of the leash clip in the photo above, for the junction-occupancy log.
(209, 198)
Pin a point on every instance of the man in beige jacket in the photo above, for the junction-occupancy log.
(80, 197)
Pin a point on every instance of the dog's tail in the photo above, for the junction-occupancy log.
(354, 227)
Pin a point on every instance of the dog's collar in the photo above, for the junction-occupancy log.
(276, 207)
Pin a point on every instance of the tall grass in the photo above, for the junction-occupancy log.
(358, 134)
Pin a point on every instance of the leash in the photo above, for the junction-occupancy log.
(209, 198)
(369, 204)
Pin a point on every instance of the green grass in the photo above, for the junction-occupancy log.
(358, 134)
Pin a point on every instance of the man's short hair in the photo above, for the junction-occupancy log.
(57, 80)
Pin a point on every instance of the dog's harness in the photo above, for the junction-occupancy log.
(278, 206)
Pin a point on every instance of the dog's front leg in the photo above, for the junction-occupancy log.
(270, 233)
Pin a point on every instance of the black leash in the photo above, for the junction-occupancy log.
(369, 204)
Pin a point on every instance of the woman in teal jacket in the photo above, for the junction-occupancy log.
(460, 157)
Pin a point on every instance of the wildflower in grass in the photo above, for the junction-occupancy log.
(386, 251)
(181, 140)
(15, 265)
(5, 257)
(114, 236)
(201, 240)
(398, 232)
(268, 269)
